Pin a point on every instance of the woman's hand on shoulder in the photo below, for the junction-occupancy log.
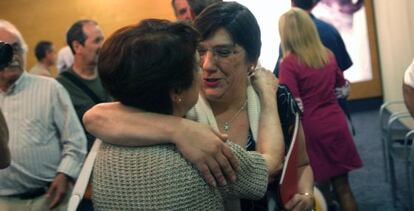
(206, 149)
(264, 82)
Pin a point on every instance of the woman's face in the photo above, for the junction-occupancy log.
(225, 67)
(190, 96)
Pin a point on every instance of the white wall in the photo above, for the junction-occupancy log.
(395, 31)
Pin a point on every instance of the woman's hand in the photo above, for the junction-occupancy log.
(264, 81)
(205, 148)
(300, 202)
(121, 125)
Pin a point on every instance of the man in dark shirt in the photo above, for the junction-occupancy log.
(81, 80)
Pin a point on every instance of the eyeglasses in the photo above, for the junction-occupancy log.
(17, 48)
(219, 51)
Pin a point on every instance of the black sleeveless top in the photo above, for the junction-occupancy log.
(287, 108)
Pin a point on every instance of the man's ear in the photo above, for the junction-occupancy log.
(76, 45)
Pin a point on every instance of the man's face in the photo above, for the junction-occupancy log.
(183, 11)
(11, 73)
(51, 56)
(93, 43)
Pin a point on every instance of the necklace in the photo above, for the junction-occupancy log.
(226, 126)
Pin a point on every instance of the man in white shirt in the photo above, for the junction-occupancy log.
(408, 88)
(46, 57)
(46, 139)
(65, 59)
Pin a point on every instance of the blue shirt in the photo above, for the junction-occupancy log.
(331, 38)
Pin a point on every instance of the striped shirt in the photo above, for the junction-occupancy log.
(46, 136)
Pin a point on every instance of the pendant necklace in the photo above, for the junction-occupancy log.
(226, 126)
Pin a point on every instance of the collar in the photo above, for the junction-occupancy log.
(18, 84)
(312, 16)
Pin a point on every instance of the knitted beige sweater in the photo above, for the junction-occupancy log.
(159, 178)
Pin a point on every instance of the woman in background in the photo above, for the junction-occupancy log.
(311, 73)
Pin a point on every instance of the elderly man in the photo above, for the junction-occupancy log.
(82, 81)
(46, 57)
(46, 140)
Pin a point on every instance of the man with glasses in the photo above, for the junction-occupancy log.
(45, 137)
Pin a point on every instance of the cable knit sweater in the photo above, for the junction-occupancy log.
(159, 178)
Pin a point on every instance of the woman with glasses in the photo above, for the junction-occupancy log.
(158, 177)
(229, 50)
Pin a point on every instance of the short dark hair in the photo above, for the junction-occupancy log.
(305, 4)
(76, 33)
(173, 5)
(237, 20)
(42, 47)
(199, 5)
(141, 64)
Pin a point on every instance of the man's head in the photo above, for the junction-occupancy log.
(304, 4)
(197, 6)
(187, 10)
(10, 34)
(182, 10)
(85, 39)
(45, 53)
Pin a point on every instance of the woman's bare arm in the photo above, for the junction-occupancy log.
(303, 200)
(270, 135)
(117, 124)
(4, 138)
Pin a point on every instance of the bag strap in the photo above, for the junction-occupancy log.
(83, 179)
(82, 86)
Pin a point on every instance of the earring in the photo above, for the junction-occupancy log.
(179, 100)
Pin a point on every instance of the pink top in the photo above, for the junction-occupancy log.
(329, 143)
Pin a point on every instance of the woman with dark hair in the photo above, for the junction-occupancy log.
(311, 72)
(157, 177)
(229, 50)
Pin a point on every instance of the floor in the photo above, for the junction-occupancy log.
(369, 184)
